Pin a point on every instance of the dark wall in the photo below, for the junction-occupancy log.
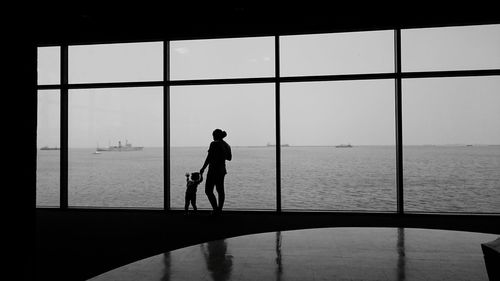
(18, 107)
(30, 24)
(87, 22)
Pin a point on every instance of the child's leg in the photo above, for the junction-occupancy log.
(193, 202)
(186, 203)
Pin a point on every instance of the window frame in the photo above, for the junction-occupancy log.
(397, 75)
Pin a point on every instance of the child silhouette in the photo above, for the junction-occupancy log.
(191, 188)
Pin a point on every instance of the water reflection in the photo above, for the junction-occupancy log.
(219, 262)
(401, 267)
(167, 262)
(279, 265)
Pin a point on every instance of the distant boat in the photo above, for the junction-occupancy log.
(273, 145)
(120, 147)
(469, 145)
(50, 148)
(344, 146)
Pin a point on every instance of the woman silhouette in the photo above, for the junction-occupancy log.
(218, 153)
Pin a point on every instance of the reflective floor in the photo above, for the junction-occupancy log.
(321, 254)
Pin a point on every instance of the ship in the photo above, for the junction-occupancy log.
(273, 145)
(50, 148)
(344, 146)
(120, 147)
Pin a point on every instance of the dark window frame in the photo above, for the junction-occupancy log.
(397, 75)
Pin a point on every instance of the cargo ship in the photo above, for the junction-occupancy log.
(50, 148)
(120, 147)
(344, 146)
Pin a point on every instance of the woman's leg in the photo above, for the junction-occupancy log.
(209, 191)
(220, 191)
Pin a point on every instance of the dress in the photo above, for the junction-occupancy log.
(218, 152)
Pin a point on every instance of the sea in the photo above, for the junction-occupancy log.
(454, 178)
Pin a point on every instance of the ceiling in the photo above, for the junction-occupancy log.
(86, 22)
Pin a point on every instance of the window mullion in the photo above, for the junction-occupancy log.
(64, 128)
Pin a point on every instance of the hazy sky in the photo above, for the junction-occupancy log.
(435, 111)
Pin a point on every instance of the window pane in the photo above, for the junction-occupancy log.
(222, 58)
(246, 113)
(131, 62)
(317, 117)
(451, 48)
(337, 53)
(48, 144)
(116, 147)
(49, 65)
(452, 144)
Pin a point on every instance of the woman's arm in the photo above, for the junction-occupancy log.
(207, 160)
(229, 156)
(205, 164)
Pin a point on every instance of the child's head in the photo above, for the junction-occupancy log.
(195, 176)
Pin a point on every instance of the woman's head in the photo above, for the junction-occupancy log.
(219, 134)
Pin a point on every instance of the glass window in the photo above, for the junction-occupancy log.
(451, 48)
(247, 113)
(337, 53)
(116, 147)
(130, 62)
(48, 144)
(341, 145)
(222, 58)
(452, 144)
(49, 65)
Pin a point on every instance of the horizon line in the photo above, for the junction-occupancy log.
(288, 145)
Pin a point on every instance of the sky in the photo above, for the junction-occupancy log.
(435, 110)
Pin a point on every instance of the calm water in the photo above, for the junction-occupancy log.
(436, 178)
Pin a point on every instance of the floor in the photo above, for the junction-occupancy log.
(341, 253)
